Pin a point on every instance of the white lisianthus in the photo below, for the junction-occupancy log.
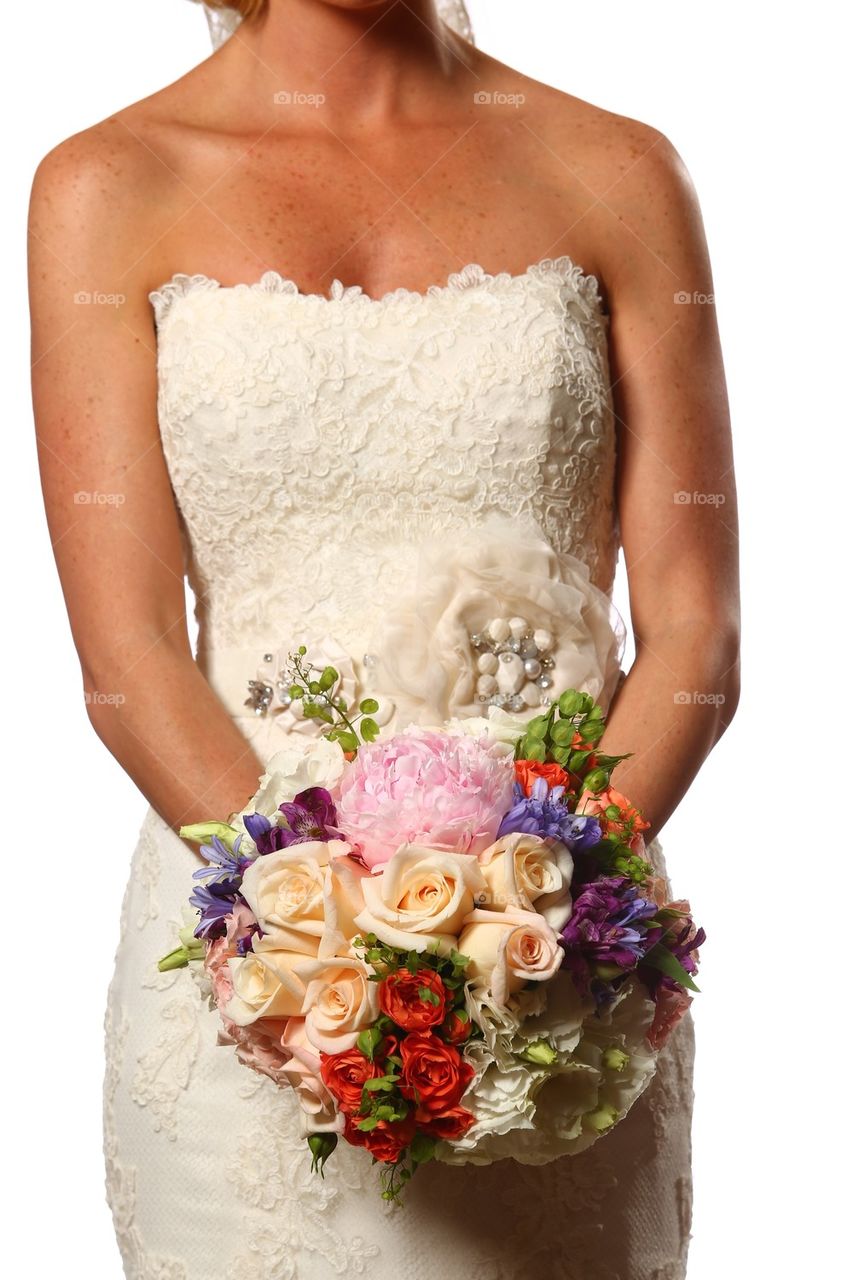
(508, 948)
(266, 982)
(530, 873)
(296, 767)
(340, 1001)
(421, 898)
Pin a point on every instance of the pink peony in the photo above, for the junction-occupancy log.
(424, 787)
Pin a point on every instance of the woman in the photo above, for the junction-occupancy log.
(290, 447)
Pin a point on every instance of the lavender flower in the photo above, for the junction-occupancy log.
(216, 897)
(544, 813)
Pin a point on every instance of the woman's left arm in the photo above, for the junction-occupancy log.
(675, 485)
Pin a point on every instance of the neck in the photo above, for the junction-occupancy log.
(368, 62)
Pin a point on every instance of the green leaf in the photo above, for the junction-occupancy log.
(368, 706)
(661, 958)
(535, 751)
(429, 996)
(328, 677)
(537, 727)
(571, 703)
(577, 760)
(368, 1041)
(562, 733)
(561, 755)
(422, 1148)
(348, 741)
(591, 730)
(369, 730)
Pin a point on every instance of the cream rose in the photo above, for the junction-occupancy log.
(266, 981)
(340, 1001)
(286, 889)
(508, 948)
(343, 899)
(421, 898)
(530, 873)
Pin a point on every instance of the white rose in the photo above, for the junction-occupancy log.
(266, 982)
(508, 948)
(421, 898)
(340, 1001)
(531, 873)
(286, 889)
(318, 763)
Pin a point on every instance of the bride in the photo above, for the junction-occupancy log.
(348, 286)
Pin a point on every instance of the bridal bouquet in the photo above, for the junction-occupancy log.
(448, 942)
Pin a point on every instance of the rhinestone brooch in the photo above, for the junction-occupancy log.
(513, 664)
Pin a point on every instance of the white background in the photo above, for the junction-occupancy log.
(752, 98)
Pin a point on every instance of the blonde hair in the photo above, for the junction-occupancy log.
(245, 8)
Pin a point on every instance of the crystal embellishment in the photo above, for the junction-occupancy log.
(513, 662)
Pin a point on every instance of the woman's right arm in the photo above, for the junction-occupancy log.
(110, 508)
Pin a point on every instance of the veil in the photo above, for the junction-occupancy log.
(224, 22)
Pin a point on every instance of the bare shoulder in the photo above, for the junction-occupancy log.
(103, 195)
(627, 178)
(642, 196)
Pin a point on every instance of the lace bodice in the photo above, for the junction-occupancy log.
(314, 441)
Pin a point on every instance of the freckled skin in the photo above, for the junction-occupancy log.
(397, 178)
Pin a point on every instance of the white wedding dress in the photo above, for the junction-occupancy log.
(314, 441)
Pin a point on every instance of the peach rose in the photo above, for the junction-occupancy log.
(508, 948)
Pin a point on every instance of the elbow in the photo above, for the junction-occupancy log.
(727, 680)
(104, 705)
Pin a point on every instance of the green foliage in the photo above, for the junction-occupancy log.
(567, 735)
(314, 688)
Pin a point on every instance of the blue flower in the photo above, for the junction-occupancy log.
(544, 813)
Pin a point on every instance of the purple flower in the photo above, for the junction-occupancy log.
(215, 901)
(216, 896)
(606, 927)
(543, 813)
(310, 816)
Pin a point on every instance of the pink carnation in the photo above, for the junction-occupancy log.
(446, 791)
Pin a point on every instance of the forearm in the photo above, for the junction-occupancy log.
(674, 705)
(166, 727)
